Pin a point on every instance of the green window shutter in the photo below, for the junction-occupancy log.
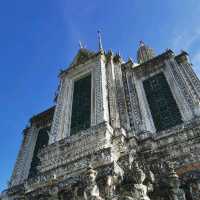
(162, 104)
(81, 107)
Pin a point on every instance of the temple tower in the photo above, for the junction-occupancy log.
(144, 53)
(114, 126)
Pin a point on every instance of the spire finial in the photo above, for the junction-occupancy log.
(142, 43)
(99, 40)
(80, 44)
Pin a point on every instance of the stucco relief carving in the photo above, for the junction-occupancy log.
(92, 191)
(113, 181)
(175, 192)
(137, 190)
(122, 158)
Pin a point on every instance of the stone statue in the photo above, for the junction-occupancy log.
(195, 190)
(150, 181)
(132, 157)
(138, 190)
(111, 186)
(92, 191)
(75, 196)
(176, 193)
(113, 181)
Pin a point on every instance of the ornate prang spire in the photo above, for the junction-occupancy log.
(110, 55)
(99, 40)
(144, 53)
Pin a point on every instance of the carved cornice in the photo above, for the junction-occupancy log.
(75, 147)
(43, 118)
(167, 148)
(176, 146)
(117, 58)
(83, 56)
(182, 57)
(148, 66)
(156, 60)
(128, 65)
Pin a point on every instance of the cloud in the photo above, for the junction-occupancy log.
(185, 39)
(189, 41)
(78, 18)
(185, 32)
(196, 59)
(196, 63)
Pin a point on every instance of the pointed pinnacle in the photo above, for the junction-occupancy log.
(141, 43)
(100, 40)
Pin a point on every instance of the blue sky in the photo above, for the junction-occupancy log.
(38, 38)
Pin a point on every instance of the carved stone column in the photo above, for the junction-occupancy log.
(59, 115)
(121, 102)
(188, 72)
(22, 165)
(176, 193)
(111, 85)
(132, 99)
(179, 78)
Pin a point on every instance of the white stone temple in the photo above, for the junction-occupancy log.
(119, 130)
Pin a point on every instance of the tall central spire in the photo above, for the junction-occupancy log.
(144, 53)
